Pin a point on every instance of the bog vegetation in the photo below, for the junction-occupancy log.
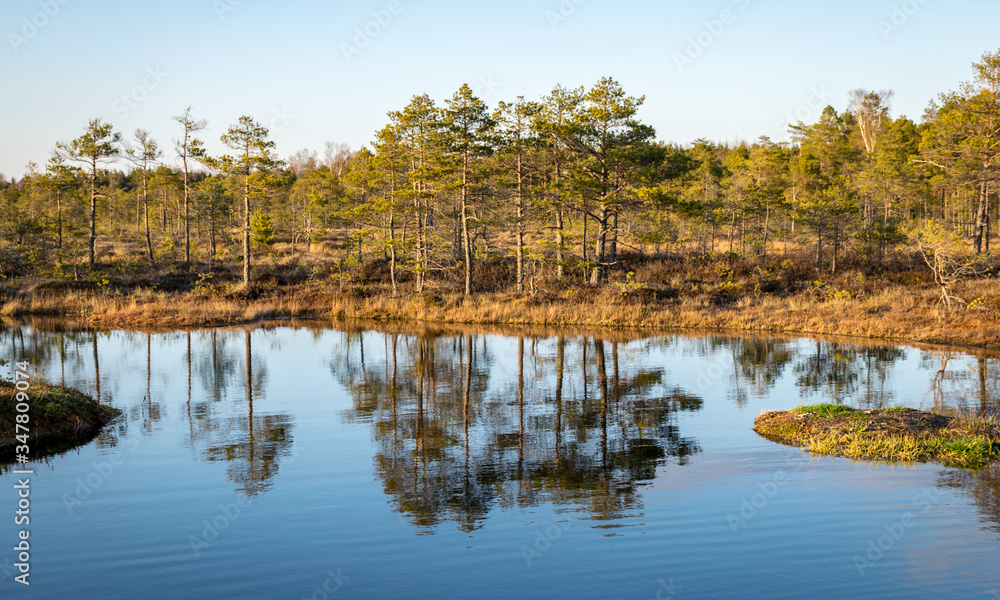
(61, 418)
(893, 435)
(531, 198)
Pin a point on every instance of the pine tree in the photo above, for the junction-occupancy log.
(611, 147)
(143, 157)
(99, 144)
(254, 153)
(517, 138)
(189, 147)
(963, 139)
(262, 230)
(468, 130)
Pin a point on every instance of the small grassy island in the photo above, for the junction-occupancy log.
(892, 435)
(60, 418)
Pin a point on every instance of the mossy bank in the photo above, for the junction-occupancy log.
(889, 435)
(59, 418)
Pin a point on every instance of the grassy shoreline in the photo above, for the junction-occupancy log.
(60, 418)
(898, 435)
(893, 315)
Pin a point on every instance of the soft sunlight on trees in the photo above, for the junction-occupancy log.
(253, 157)
(464, 196)
(99, 144)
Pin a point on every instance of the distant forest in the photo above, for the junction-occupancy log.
(558, 188)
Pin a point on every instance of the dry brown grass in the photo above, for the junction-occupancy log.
(767, 296)
(899, 317)
(896, 315)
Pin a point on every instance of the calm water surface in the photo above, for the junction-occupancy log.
(310, 462)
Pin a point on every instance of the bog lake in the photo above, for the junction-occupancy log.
(309, 460)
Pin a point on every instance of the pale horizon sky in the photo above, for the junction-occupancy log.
(726, 70)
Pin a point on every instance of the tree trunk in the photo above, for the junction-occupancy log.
(732, 233)
(983, 396)
(421, 248)
(600, 248)
(93, 213)
(249, 386)
(767, 230)
(246, 229)
(560, 243)
(986, 211)
(211, 234)
(361, 241)
(520, 225)
(560, 368)
(981, 217)
(187, 215)
(392, 250)
(97, 369)
(59, 219)
(836, 246)
(466, 239)
(614, 239)
(819, 251)
(602, 382)
(145, 208)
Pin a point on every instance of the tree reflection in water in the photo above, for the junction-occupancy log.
(982, 487)
(465, 422)
(252, 445)
(758, 364)
(460, 431)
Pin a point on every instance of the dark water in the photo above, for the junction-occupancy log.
(322, 463)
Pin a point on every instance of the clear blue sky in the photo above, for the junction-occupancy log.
(284, 63)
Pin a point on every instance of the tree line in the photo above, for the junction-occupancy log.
(557, 188)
